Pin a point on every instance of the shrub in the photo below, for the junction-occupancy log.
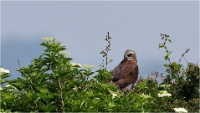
(52, 83)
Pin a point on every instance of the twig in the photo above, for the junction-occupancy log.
(182, 56)
(18, 63)
(105, 52)
(61, 92)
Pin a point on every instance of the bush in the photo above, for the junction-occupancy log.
(52, 83)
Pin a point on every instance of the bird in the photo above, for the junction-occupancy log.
(125, 74)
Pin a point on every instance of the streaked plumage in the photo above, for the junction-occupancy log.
(125, 74)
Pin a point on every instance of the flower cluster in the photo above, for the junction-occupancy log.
(165, 85)
(76, 64)
(180, 110)
(88, 66)
(63, 53)
(145, 96)
(164, 93)
(114, 95)
(10, 86)
(48, 39)
(2, 70)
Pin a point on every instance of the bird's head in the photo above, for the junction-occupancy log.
(130, 55)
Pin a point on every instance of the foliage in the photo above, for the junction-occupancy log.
(52, 83)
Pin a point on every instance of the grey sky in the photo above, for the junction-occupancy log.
(82, 27)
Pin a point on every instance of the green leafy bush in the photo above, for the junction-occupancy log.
(52, 83)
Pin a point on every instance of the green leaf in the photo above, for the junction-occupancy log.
(166, 65)
(37, 99)
(169, 53)
(110, 60)
(44, 44)
(111, 104)
(169, 40)
(166, 57)
(43, 91)
(8, 96)
(161, 45)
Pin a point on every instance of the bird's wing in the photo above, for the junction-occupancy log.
(125, 73)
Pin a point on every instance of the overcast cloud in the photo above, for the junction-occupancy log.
(82, 27)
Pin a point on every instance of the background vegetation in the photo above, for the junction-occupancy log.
(52, 83)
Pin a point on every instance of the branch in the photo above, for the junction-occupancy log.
(182, 56)
(61, 97)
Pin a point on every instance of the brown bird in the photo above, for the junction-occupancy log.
(125, 74)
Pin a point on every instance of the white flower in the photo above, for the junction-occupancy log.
(145, 96)
(97, 98)
(48, 39)
(88, 67)
(62, 45)
(2, 70)
(180, 110)
(8, 85)
(164, 93)
(6, 71)
(165, 85)
(75, 88)
(114, 95)
(1, 88)
(74, 64)
(63, 53)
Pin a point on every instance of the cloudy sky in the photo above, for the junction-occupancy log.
(82, 27)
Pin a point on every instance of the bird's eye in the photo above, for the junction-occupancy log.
(129, 55)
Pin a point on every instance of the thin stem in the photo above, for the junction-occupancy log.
(61, 96)
(182, 56)
(18, 63)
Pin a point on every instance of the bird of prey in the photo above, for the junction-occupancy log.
(125, 74)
